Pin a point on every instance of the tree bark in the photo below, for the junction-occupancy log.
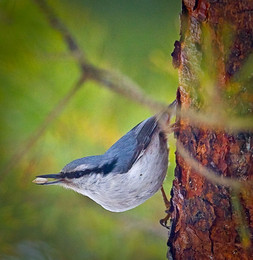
(208, 220)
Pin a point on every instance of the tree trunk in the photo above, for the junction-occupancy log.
(209, 220)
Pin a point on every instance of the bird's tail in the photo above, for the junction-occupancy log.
(167, 113)
(172, 108)
(43, 179)
(164, 117)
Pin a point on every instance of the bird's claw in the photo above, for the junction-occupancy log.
(164, 221)
(173, 128)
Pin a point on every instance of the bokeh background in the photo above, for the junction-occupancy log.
(36, 71)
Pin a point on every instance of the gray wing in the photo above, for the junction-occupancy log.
(132, 145)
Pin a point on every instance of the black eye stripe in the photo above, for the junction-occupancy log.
(105, 169)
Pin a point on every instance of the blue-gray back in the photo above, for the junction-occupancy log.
(129, 147)
(119, 157)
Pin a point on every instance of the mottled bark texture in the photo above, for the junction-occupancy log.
(217, 38)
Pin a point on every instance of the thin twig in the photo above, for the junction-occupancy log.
(56, 23)
(20, 153)
(217, 121)
(124, 86)
(116, 82)
(112, 80)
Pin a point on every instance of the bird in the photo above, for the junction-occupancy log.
(128, 173)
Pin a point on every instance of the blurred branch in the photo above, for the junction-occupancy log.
(115, 81)
(216, 117)
(210, 175)
(20, 153)
(217, 120)
(59, 26)
(112, 80)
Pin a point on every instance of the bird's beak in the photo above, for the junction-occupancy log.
(43, 179)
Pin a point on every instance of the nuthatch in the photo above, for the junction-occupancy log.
(127, 174)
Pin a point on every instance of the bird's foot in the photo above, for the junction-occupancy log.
(173, 128)
(164, 221)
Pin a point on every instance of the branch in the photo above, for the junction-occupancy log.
(124, 86)
(217, 121)
(20, 153)
(114, 81)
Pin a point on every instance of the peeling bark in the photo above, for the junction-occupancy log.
(204, 221)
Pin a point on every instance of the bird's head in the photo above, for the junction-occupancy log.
(77, 169)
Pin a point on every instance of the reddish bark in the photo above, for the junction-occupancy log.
(204, 224)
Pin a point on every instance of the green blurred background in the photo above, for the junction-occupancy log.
(36, 71)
